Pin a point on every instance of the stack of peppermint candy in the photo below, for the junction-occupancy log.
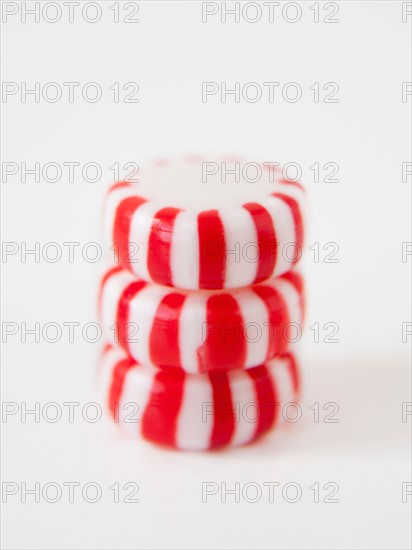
(198, 302)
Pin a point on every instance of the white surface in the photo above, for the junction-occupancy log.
(170, 52)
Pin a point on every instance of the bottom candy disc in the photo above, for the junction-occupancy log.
(197, 411)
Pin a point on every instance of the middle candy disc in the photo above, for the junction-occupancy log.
(201, 331)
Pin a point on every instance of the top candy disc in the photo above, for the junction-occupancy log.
(182, 225)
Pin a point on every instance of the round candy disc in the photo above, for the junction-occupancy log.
(182, 225)
(204, 330)
(197, 412)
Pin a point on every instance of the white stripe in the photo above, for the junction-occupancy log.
(286, 230)
(105, 374)
(255, 327)
(111, 293)
(184, 257)
(241, 244)
(139, 238)
(290, 190)
(192, 324)
(285, 234)
(280, 373)
(195, 420)
(244, 400)
(292, 299)
(142, 311)
(134, 398)
(301, 198)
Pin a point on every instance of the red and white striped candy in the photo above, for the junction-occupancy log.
(201, 331)
(197, 412)
(174, 229)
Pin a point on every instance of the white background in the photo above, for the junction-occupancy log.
(169, 53)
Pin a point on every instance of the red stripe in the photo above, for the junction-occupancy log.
(118, 185)
(112, 271)
(160, 417)
(106, 348)
(119, 373)
(224, 412)
(278, 318)
(224, 343)
(266, 397)
(266, 240)
(212, 250)
(109, 273)
(125, 328)
(121, 229)
(291, 182)
(297, 219)
(160, 244)
(296, 280)
(164, 336)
